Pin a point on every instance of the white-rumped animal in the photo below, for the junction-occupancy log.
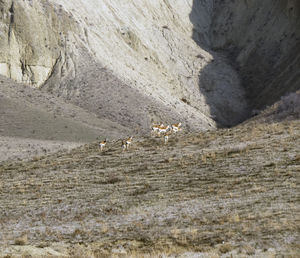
(155, 128)
(166, 136)
(163, 129)
(102, 144)
(176, 127)
(124, 145)
(128, 142)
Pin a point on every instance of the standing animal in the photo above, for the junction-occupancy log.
(129, 141)
(126, 143)
(163, 129)
(176, 127)
(155, 128)
(166, 136)
(102, 144)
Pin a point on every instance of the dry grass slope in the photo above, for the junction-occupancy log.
(231, 191)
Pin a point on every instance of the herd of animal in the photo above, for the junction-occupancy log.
(159, 129)
(156, 130)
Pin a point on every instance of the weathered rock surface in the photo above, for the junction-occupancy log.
(147, 46)
(262, 38)
(126, 64)
(32, 34)
(100, 68)
(191, 59)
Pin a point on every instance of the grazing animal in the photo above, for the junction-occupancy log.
(102, 145)
(176, 127)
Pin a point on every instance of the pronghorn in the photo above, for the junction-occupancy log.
(166, 137)
(127, 143)
(163, 129)
(176, 127)
(155, 128)
(124, 145)
(102, 144)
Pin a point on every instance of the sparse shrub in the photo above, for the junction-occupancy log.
(203, 158)
(185, 101)
(8, 256)
(79, 251)
(77, 232)
(113, 179)
(249, 250)
(23, 240)
(43, 244)
(239, 148)
(225, 248)
(213, 155)
(145, 189)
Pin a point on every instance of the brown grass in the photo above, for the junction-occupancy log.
(212, 196)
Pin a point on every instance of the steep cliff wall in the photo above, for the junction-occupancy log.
(262, 38)
(183, 60)
(146, 45)
(32, 39)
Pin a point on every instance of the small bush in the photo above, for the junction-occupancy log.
(23, 240)
(225, 248)
(113, 179)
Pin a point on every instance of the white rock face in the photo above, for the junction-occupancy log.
(149, 46)
(29, 40)
(161, 51)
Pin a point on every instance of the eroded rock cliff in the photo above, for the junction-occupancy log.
(32, 39)
(262, 38)
(137, 62)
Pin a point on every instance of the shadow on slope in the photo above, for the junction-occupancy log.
(287, 109)
(260, 42)
(97, 90)
(219, 82)
(30, 113)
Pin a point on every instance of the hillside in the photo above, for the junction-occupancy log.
(73, 73)
(34, 122)
(207, 63)
(231, 191)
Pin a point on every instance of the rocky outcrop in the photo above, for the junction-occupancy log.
(262, 38)
(147, 46)
(191, 60)
(32, 39)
